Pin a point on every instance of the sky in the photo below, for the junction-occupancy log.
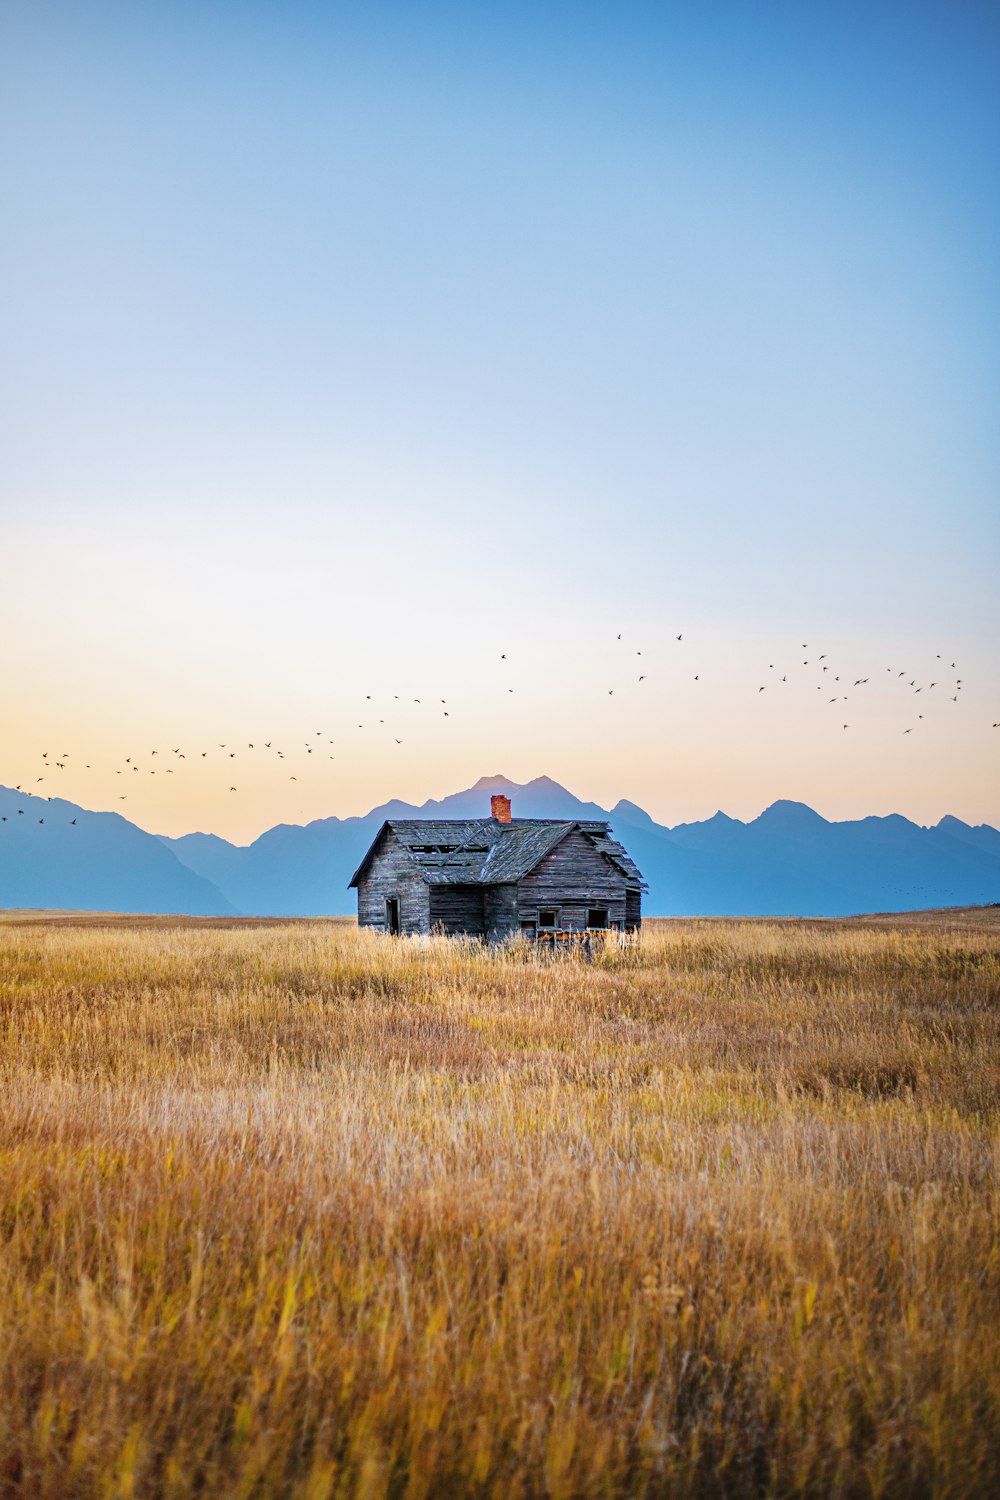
(354, 355)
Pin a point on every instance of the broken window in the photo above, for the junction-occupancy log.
(597, 916)
(548, 918)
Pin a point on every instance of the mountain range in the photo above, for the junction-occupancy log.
(789, 861)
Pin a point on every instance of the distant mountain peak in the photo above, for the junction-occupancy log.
(623, 808)
(492, 784)
(785, 813)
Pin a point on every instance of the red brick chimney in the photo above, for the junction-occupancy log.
(500, 808)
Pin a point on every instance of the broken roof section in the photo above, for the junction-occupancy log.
(481, 851)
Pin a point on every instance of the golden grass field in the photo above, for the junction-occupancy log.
(291, 1209)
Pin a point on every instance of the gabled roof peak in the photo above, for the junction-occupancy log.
(481, 851)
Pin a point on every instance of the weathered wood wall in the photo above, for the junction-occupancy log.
(573, 878)
(393, 873)
(500, 909)
(458, 910)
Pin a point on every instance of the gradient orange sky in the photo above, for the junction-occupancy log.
(345, 354)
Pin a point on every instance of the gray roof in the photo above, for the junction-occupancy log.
(481, 851)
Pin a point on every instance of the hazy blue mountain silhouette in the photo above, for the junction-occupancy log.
(787, 862)
(104, 863)
(980, 836)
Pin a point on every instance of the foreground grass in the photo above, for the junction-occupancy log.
(298, 1210)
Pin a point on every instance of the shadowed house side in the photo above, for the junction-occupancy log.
(496, 877)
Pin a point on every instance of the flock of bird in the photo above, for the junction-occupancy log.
(838, 684)
(822, 666)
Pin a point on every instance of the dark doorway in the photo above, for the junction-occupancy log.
(458, 910)
(392, 916)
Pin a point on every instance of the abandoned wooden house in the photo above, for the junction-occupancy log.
(496, 877)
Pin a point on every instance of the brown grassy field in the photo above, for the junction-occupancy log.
(290, 1209)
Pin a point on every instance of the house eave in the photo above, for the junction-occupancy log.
(363, 866)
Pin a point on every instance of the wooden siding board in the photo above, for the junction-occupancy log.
(458, 910)
(500, 911)
(391, 873)
(573, 877)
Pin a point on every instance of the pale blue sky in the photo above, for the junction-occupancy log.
(530, 324)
